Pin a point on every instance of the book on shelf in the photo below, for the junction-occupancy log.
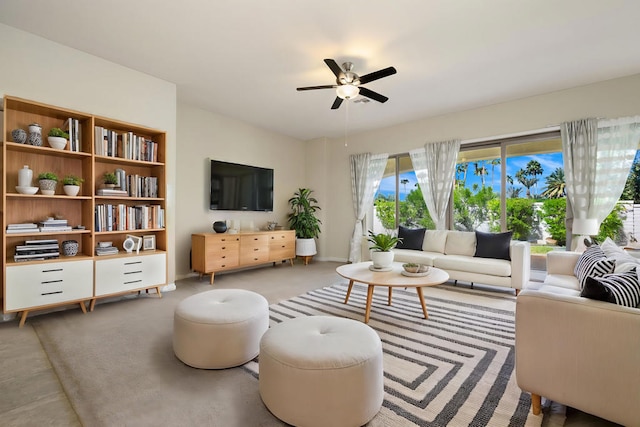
(73, 128)
(26, 225)
(55, 228)
(51, 221)
(111, 192)
(29, 248)
(36, 257)
(22, 230)
(109, 250)
(41, 242)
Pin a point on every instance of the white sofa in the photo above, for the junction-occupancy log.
(579, 352)
(453, 251)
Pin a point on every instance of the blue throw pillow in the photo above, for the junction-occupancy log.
(412, 238)
(493, 245)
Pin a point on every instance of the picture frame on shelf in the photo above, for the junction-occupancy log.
(149, 243)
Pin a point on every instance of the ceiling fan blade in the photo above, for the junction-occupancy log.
(317, 87)
(336, 103)
(373, 95)
(334, 67)
(389, 71)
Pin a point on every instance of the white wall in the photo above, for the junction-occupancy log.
(38, 69)
(612, 98)
(203, 136)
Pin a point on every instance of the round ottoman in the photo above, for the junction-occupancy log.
(220, 328)
(321, 371)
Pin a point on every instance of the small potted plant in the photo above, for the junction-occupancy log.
(48, 182)
(57, 138)
(381, 245)
(110, 179)
(72, 185)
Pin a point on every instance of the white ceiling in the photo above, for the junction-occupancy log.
(244, 58)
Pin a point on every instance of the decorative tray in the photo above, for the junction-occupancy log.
(406, 273)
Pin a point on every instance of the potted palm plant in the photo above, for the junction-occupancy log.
(304, 221)
(381, 245)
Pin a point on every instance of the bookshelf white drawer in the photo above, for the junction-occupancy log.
(129, 273)
(38, 285)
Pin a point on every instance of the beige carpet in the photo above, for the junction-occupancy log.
(117, 365)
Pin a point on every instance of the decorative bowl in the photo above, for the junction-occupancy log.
(57, 142)
(19, 136)
(411, 267)
(26, 190)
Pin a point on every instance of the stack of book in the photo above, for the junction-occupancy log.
(52, 225)
(37, 250)
(112, 192)
(106, 248)
(22, 228)
(72, 126)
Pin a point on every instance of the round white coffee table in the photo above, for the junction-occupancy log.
(360, 272)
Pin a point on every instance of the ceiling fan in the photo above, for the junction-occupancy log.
(349, 84)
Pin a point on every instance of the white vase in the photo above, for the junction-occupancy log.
(71, 190)
(382, 259)
(25, 176)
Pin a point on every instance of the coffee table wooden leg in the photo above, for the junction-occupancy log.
(367, 311)
(348, 291)
(389, 297)
(421, 298)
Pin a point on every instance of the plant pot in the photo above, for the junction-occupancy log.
(382, 259)
(48, 186)
(71, 190)
(57, 142)
(305, 247)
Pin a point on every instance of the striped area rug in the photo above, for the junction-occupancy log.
(454, 369)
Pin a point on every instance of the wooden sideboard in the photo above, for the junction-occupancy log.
(213, 252)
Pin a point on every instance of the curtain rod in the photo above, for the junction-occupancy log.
(511, 135)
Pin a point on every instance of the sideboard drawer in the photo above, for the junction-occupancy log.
(39, 285)
(119, 275)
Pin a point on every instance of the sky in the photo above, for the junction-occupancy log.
(549, 162)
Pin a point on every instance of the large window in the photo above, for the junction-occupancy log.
(399, 199)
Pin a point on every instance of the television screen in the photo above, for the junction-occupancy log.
(238, 187)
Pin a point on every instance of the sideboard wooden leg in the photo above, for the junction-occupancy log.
(536, 403)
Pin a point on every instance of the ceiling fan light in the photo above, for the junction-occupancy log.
(347, 91)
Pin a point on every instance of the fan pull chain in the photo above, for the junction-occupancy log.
(346, 122)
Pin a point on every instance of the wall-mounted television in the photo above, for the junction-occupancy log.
(238, 187)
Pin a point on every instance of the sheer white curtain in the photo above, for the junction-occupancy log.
(366, 172)
(435, 166)
(597, 158)
(617, 145)
(579, 142)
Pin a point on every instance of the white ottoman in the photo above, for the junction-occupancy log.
(321, 371)
(220, 328)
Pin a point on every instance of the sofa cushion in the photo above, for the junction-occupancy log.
(412, 238)
(434, 241)
(470, 264)
(592, 262)
(618, 288)
(563, 281)
(410, 255)
(624, 260)
(493, 245)
(460, 243)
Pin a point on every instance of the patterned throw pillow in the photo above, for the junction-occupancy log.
(620, 288)
(593, 263)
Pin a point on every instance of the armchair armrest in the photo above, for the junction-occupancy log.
(520, 253)
(562, 262)
(579, 352)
